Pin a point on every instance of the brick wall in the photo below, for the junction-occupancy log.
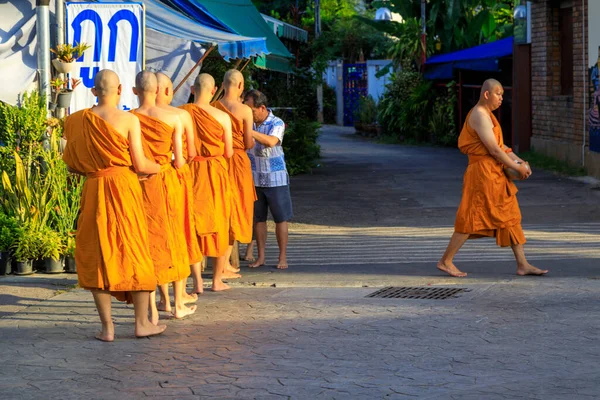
(557, 117)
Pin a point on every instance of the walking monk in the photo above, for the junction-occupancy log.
(211, 180)
(112, 248)
(489, 204)
(163, 194)
(243, 194)
(163, 100)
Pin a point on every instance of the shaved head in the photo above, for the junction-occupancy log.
(106, 83)
(489, 85)
(491, 95)
(204, 83)
(163, 80)
(233, 77)
(146, 82)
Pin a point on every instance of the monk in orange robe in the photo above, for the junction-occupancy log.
(489, 204)
(163, 100)
(243, 194)
(209, 168)
(163, 194)
(112, 245)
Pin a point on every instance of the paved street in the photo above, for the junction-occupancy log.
(371, 216)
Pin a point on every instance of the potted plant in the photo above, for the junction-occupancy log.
(70, 266)
(8, 233)
(66, 54)
(25, 249)
(51, 250)
(62, 93)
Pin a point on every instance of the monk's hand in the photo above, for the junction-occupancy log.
(142, 178)
(524, 170)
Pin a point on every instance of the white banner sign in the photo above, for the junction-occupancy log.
(115, 32)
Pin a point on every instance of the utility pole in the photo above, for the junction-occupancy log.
(423, 34)
(43, 47)
(60, 39)
(319, 78)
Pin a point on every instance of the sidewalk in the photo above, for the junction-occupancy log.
(373, 216)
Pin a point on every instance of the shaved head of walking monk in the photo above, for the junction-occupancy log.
(163, 194)
(489, 206)
(112, 246)
(209, 168)
(243, 194)
(163, 100)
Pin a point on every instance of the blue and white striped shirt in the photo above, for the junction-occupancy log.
(268, 163)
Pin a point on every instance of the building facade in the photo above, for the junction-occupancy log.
(565, 90)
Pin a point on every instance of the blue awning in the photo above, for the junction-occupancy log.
(171, 22)
(479, 58)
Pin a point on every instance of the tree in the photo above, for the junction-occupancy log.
(451, 25)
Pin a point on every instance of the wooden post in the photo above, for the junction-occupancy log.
(206, 53)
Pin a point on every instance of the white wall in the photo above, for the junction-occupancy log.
(593, 31)
(376, 86)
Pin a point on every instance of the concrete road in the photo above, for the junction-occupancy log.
(372, 216)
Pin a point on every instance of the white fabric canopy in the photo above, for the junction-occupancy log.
(18, 56)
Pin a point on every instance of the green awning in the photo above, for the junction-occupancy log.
(243, 17)
(273, 63)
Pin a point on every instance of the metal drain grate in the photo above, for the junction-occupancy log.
(433, 293)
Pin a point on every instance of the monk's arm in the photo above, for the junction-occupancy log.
(140, 162)
(178, 144)
(265, 140)
(248, 124)
(485, 130)
(227, 139)
(188, 127)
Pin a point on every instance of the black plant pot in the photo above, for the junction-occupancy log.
(39, 265)
(70, 266)
(5, 263)
(54, 266)
(24, 267)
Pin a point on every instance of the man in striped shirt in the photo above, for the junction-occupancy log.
(270, 178)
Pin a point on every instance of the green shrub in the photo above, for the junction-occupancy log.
(27, 243)
(9, 230)
(366, 113)
(50, 243)
(442, 120)
(300, 145)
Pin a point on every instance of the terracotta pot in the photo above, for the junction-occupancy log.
(62, 67)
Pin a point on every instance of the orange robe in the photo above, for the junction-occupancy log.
(186, 179)
(112, 250)
(212, 205)
(243, 193)
(489, 204)
(163, 199)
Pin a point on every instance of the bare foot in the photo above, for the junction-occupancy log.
(451, 270)
(256, 264)
(248, 258)
(230, 275)
(163, 306)
(147, 330)
(153, 315)
(529, 269)
(282, 265)
(220, 286)
(190, 298)
(107, 334)
(229, 268)
(184, 311)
